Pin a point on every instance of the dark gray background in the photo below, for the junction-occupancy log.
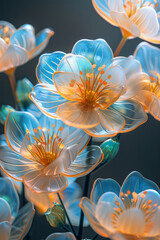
(73, 20)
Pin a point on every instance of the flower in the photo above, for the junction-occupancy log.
(44, 153)
(86, 89)
(128, 212)
(13, 224)
(70, 196)
(61, 236)
(136, 18)
(19, 46)
(149, 90)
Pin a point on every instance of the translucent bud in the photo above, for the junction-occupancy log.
(56, 216)
(24, 87)
(110, 149)
(4, 110)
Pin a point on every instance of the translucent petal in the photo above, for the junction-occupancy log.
(116, 6)
(63, 161)
(96, 51)
(132, 112)
(23, 38)
(37, 181)
(47, 65)
(110, 124)
(68, 85)
(14, 165)
(135, 182)
(34, 110)
(5, 228)
(85, 162)
(149, 57)
(89, 210)
(76, 64)
(150, 101)
(9, 194)
(102, 186)
(3, 47)
(41, 41)
(14, 56)
(73, 191)
(102, 8)
(28, 27)
(47, 99)
(77, 115)
(17, 123)
(61, 236)
(70, 135)
(22, 222)
(11, 27)
(5, 211)
(3, 140)
(146, 20)
(124, 22)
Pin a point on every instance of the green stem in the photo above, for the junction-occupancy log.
(66, 214)
(120, 46)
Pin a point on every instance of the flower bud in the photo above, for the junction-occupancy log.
(110, 149)
(24, 87)
(56, 216)
(4, 110)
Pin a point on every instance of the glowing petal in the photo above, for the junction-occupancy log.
(96, 51)
(24, 39)
(28, 27)
(146, 20)
(124, 22)
(132, 112)
(85, 162)
(16, 126)
(68, 85)
(47, 99)
(41, 41)
(150, 101)
(47, 65)
(116, 6)
(3, 47)
(111, 122)
(8, 193)
(89, 210)
(102, 186)
(155, 230)
(22, 222)
(5, 211)
(149, 57)
(61, 236)
(76, 64)
(135, 182)
(13, 57)
(15, 165)
(77, 115)
(37, 181)
(5, 229)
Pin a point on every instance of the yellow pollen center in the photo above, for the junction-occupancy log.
(5, 33)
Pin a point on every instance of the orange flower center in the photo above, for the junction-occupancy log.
(6, 33)
(43, 145)
(92, 90)
(136, 216)
(131, 6)
(155, 83)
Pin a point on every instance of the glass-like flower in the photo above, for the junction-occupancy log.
(149, 90)
(13, 224)
(44, 153)
(128, 212)
(61, 236)
(70, 196)
(17, 46)
(86, 88)
(136, 18)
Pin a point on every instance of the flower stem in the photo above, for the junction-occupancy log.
(11, 75)
(66, 214)
(120, 46)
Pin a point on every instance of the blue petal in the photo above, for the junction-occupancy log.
(47, 65)
(135, 182)
(102, 186)
(96, 51)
